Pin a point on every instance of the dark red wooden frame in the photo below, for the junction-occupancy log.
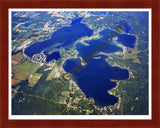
(6, 4)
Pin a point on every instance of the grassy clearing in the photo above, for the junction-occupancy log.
(54, 74)
(20, 77)
(17, 57)
(34, 79)
(25, 69)
(65, 93)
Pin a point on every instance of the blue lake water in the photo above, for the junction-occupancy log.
(127, 29)
(95, 79)
(27, 24)
(109, 47)
(54, 55)
(127, 40)
(98, 12)
(62, 38)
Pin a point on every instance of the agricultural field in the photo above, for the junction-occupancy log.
(34, 79)
(24, 70)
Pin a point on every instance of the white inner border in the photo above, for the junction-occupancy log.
(79, 117)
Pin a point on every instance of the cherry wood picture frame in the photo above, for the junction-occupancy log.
(106, 4)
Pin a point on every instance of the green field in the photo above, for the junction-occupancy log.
(15, 44)
(25, 69)
(34, 79)
(65, 93)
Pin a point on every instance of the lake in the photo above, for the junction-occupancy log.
(62, 38)
(96, 78)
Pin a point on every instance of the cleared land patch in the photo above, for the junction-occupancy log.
(24, 70)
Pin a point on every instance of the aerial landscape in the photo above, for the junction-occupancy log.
(79, 62)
